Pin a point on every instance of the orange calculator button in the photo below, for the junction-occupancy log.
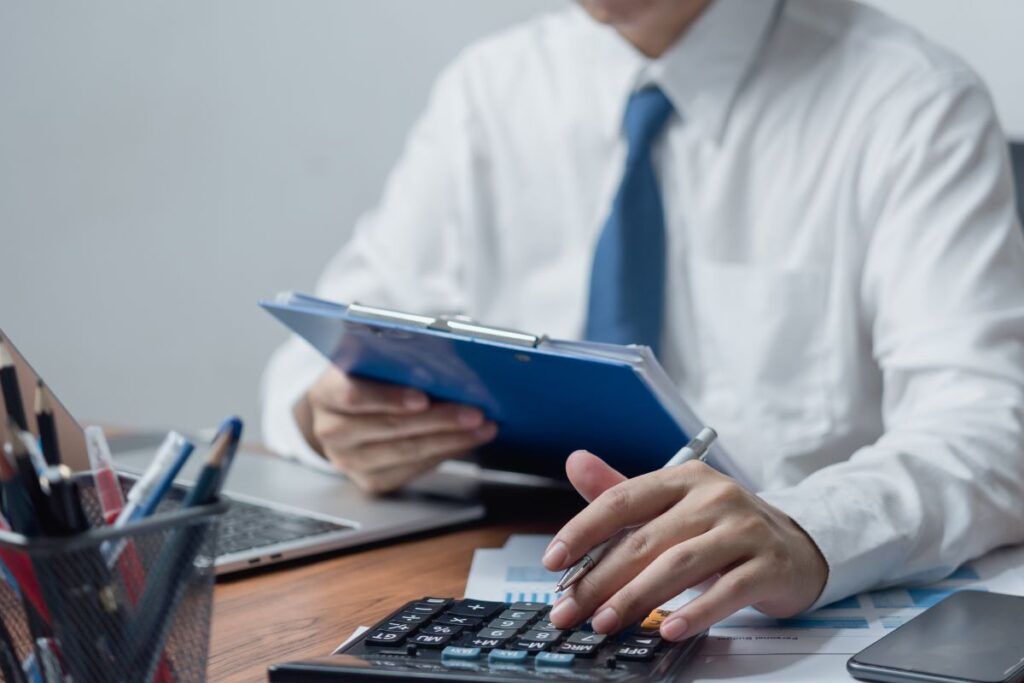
(654, 619)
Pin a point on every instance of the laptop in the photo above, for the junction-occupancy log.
(280, 509)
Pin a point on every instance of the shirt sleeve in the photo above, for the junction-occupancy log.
(942, 297)
(404, 254)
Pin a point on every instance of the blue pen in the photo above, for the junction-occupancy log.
(149, 490)
(163, 484)
(153, 485)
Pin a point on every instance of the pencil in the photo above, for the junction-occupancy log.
(11, 389)
(166, 585)
(46, 424)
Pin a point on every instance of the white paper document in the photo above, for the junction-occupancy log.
(514, 572)
(360, 630)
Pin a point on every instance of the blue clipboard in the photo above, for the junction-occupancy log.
(548, 397)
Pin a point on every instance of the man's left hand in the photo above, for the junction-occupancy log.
(692, 524)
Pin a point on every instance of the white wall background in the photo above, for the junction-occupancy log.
(165, 163)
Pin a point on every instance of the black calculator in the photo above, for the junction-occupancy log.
(445, 639)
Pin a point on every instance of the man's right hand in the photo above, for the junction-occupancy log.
(383, 435)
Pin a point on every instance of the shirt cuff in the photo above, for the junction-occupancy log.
(291, 371)
(848, 572)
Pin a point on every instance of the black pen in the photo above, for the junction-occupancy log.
(65, 499)
(20, 510)
(10, 387)
(46, 424)
(28, 476)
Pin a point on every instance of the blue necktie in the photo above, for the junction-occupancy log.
(627, 281)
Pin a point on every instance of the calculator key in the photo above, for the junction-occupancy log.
(545, 626)
(514, 624)
(380, 637)
(430, 640)
(457, 620)
(578, 649)
(476, 608)
(642, 641)
(645, 632)
(410, 618)
(441, 602)
(487, 643)
(528, 606)
(441, 630)
(464, 639)
(554, 659)
(424, 608)
(397, 627)
(500, 633)
(542, 636)
(586, 638)
(641, 654)
(461, 653)
(531, 645)
(655, 618)
(517, 615)
(507, 656)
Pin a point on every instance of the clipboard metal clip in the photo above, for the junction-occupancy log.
(455, 324)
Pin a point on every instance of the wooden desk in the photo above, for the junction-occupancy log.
(308, 610)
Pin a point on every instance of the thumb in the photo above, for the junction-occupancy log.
(591, 475)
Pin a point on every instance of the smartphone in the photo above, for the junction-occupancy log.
(969, 637)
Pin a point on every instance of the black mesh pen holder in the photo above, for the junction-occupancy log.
(110, 605)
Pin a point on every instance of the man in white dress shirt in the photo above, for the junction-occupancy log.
(840, 290)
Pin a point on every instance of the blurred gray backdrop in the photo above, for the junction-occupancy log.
(166, 163)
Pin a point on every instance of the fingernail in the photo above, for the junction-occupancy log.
(674, 629)
(564, 613)
(469, 417)
(414, 400)
(605, 621)
(555, 556)
(487, 431)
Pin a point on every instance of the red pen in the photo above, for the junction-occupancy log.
(111, 497)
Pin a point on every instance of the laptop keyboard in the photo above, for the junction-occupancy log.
(246, 526)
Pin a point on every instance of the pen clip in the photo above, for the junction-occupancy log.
(454, 324)
(460, 324)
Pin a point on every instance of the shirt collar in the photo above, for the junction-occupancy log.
(701, 73)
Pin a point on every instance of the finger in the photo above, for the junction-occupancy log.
(351, 431)
(414, 449)
(339, 392)
(390, 479)
(642, 547)
(681, 566)
(735, 590)
(629, 503)
(590, 475)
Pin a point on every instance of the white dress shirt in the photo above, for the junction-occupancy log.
(845, 294)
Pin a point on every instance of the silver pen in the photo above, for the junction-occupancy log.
(697, 449)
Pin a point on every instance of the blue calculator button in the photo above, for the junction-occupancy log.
(508, 656)
(554, 659)
(452, 652)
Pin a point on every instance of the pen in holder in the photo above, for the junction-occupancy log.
(110, 605)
